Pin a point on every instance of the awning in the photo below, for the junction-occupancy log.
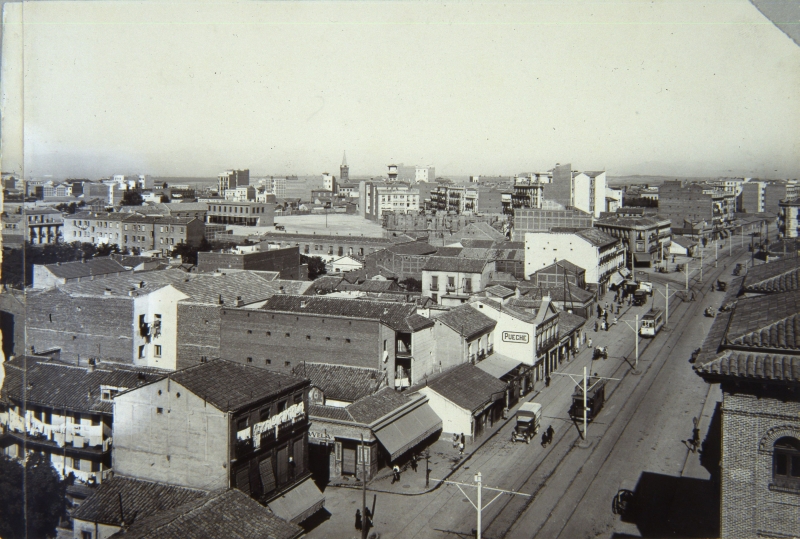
(625, 272)
(641, 257)
(299, 503)
(498, 365)
(407, 431)
(615, 279)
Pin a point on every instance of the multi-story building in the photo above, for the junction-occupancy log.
(452, 280)
(43, 225)
(60, 190)
(789, 218)
(533, 220)
(388, 336)
(222, 425)
(64, 411)
(747, 353)
(245, 193)
(109, 191)
(241, 213)
(527, 193)
(597, 252)
(231, 179)
(777, 191)
(457, 199)
(377, 198)
(753, 197)
(132, 231)
(680, 201)
(647, 239)
(560, 274)
(322, 246)
(424, 174)
(329, 182)
(560, 189)
(589, 192)
(463, 335)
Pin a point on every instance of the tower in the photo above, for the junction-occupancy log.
(344, 170)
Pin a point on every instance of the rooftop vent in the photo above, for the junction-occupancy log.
(141, 284)
(107, 292)
(302, 303)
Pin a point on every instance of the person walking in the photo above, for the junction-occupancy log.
(455, 440)
(395, 474)
(414, 462)
(358, 519)
(590, 343)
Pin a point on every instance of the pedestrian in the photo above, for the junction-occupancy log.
(599, 310)
(618, 307)
(590, 343)
(455, 440)
(463, 438)
(547, 381)
(596, 326)
(395, 474)
(695, 439)
(358, 519)
(414, 462)
(606, 305)
(461, 448)
(368, 518)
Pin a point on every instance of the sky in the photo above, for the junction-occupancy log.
(687, 88)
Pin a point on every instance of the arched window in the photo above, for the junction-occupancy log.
(786, 462)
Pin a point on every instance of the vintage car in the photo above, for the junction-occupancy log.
(529, 417)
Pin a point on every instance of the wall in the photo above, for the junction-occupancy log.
(455, 420)
(542, 248)
(423, 350)
(676, 203)
(750, 506)
(520, 351)
(261, 336)
(185, 445)
(199, 333)
(451, 350)
(103, 531)
(285, 260)
(163, 302)
(82, 327)
(560, 190)
(533, 220)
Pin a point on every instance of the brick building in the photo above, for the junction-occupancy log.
(543, 220)
(323, 245)
(284, 260)
(50, 275)
(753, 353)
(559, 273)
(403, 260)
(286, 330)
(222, 425)
(647, 239)
(789, 218)
(681, 201)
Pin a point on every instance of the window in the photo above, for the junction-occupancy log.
(76, 418)
(327, 338)
(269, 333)
(243, 423)
(86, 535)
(76, 463)
(287, 363)
(142, 353)
(435, 282)
(347, 341)
(249, 331)
(298, 398)
(268, 361)
(158, 350)
(786, 462)
(95, 466)
(308, 337)
(264, 414)
(288, 335)
(95, 420)
(281, 406)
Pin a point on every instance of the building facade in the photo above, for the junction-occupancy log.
(459, 200)
(231, 179)
(452, 280)
(241, 213)
(535, 220)
(753, 198)
(589, 192)
(43, 226)
(377, 198)
(646, 239)
(789, 218)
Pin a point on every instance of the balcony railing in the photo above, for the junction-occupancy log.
(434, 286)
(451, 288)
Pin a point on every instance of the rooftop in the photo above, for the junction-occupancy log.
(135, 498)
(229, 513)
(563, 265)
(568, 322)
(373, 407)
(393, 314)
(40, 380)
(752, 366)
(454, 264)
(340, 382)
(466, 321)
(596, 237)
(232, 386)
(467, 386)
(779, 276)
(771, 322)
(85, 268)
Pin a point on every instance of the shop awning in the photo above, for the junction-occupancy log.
(498, 365)
(615, 279)
(299, 503)
(641, 257)
(625, 272)
(408, 430)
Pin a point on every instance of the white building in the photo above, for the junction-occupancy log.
(329, 182)
(425, 174)
(241, 194)
(591, 249)
(452, 280)
(375, 198)
(589, 192)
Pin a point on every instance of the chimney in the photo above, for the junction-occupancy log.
(220, 300)
(517, 293)
(239, 301)
(302, 303)
(141, 284)
(58, 263)
(107, 292)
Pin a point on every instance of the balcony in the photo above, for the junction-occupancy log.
(435, 286)
(451, 288)
(402, 349)
(471, 358)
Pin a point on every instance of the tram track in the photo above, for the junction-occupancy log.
(503, 519)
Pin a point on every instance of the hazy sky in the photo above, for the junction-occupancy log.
(188, 89)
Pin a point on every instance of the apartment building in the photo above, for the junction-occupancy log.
(543, 220)
(646, 239)
(457, 199)
(231, 179)
(43, 226)
(789, 218)
(452, 280)
(680, 201)
(753, 197)
(240, 213)
(376, 198)
(589, 192)
(64, 411)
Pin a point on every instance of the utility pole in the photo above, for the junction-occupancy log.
(583, 383)
(364, 519)
(715, 254)
(479, 507)
(701, 265)
(666, 295)
(635, 329)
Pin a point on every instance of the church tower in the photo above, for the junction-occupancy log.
(344, 170)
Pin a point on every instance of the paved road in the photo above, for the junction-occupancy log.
(637, 438)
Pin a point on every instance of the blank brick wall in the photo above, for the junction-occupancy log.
(198, 333)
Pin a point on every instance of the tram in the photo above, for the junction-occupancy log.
(652, 322)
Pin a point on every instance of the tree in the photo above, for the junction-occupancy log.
(188, 252)
(43, 496)
(411, 284)
(316, 266)
(132, 198)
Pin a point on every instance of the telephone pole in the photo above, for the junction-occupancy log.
(666, 296)
(583, 384)
(364, 519)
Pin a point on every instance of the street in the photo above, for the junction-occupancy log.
(638, 440)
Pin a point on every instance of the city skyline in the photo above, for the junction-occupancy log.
(472, 89)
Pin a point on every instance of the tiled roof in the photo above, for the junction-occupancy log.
(562, 265)
(415, 322)
(449, 251)
(596, 237)
(779, 276)
(340, 382)
(683, 241)
(630, 222)
(753, 366)
(326, 283)
(467, 386)
(377, 405)
(771, 321)
(139, 500)
(524, 316)
(371, 286)
(392, 314)
(454, 264)
(53, 383)
(86, 268)
(484, 229)
(499, 291)
(231, 514)
(556, 293)
(568, 322)
(329, 412)
(413, 248)
(472, 243)
(466, 321)
(232, 386)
